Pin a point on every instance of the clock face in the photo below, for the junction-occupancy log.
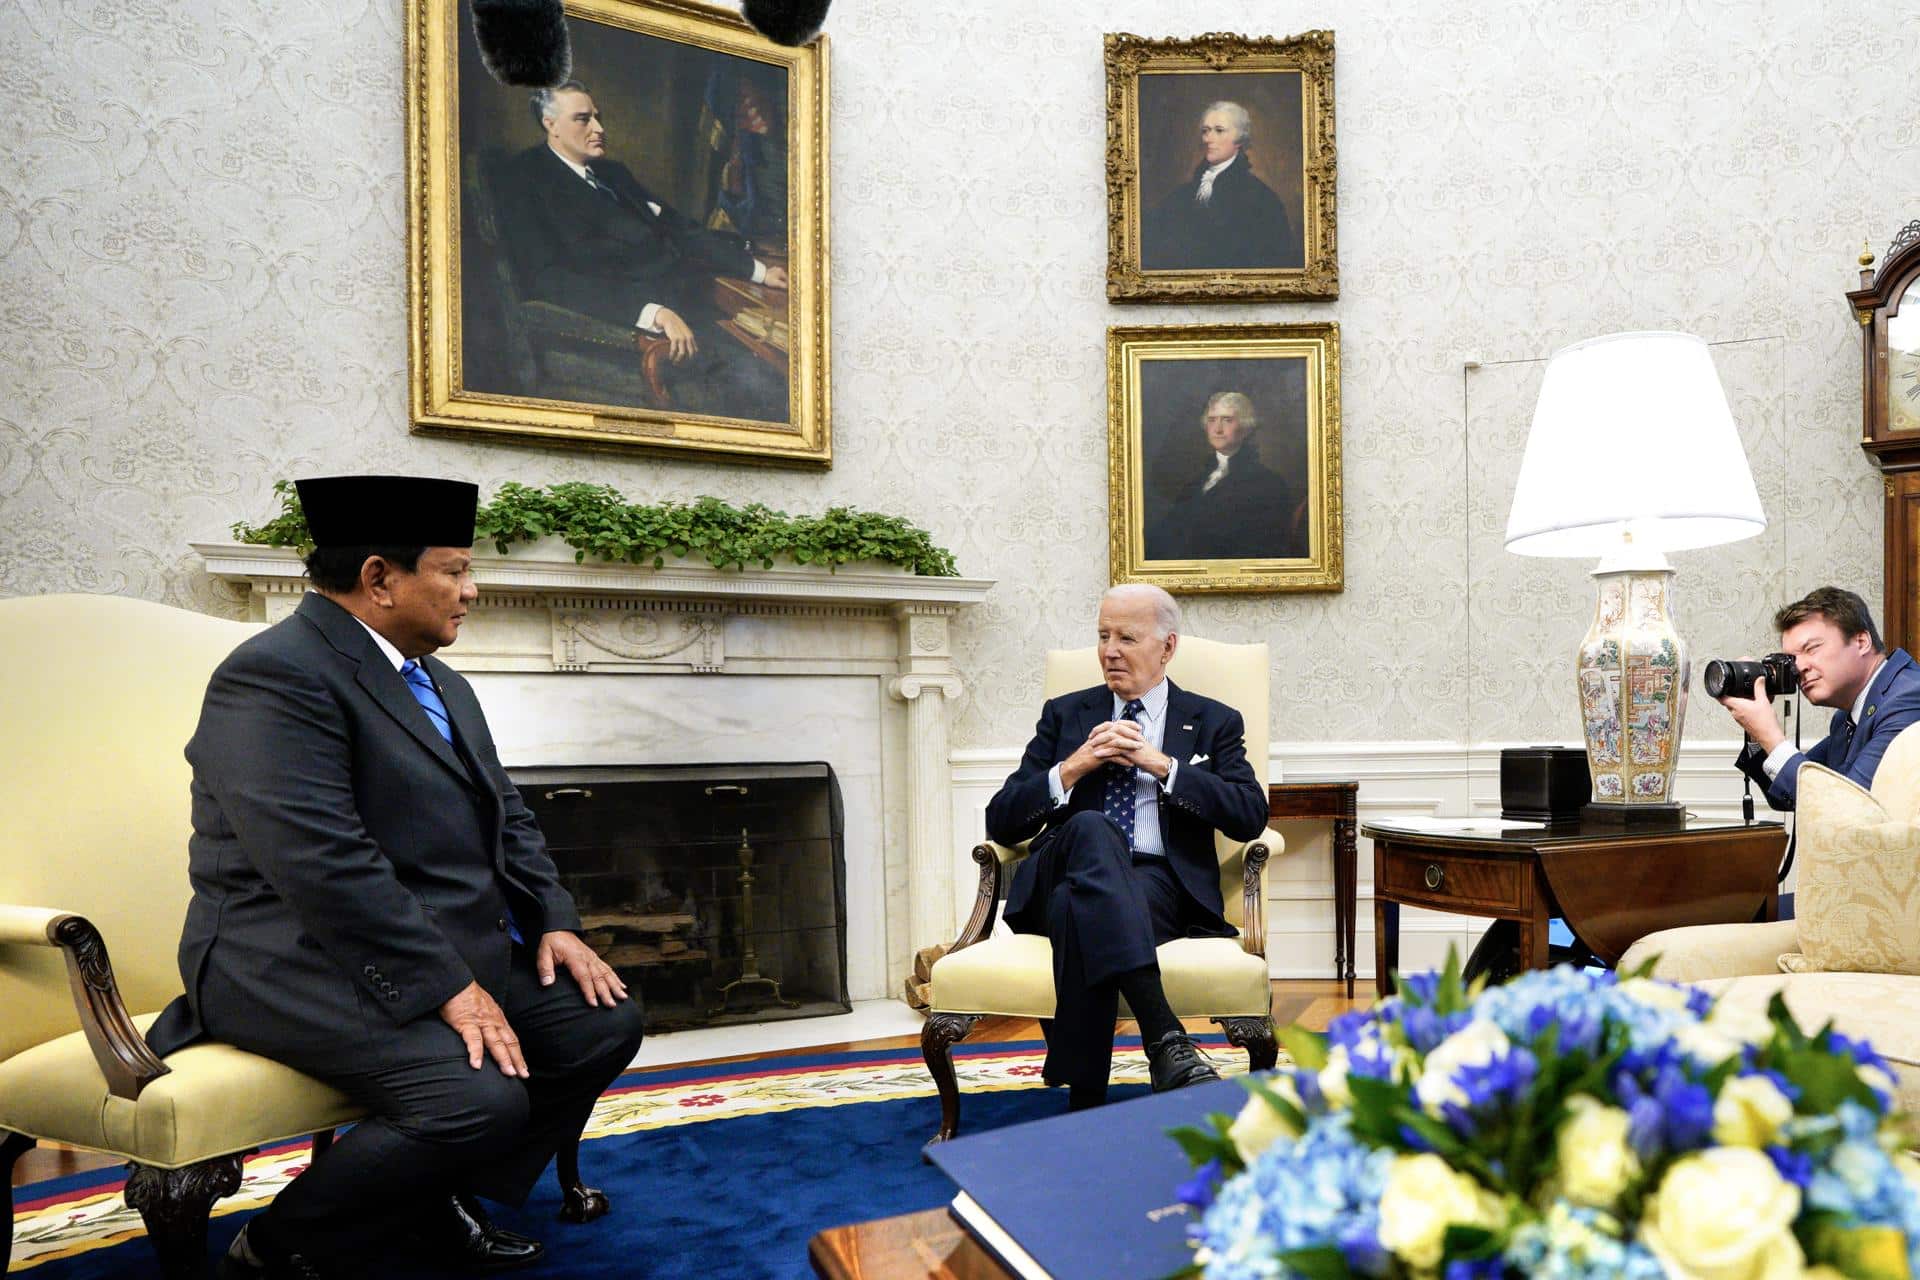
(1903, 363)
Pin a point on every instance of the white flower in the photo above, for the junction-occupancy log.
(1881, 1082)
(1749, 1112)
(1474, 1045)
(1724, 1214)
(1333, 1078)
(1658, 995)
(1596, 1163)
(1259, 1125)
(1747, 1025)
(1728, 1029)
(1423, 1197)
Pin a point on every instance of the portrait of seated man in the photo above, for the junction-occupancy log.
(1223, 216)
(583, 233)
(1237, 508)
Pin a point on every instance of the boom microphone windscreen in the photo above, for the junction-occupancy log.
(789, 22)
(523, 42)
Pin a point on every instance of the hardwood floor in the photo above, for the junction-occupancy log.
(1312, 1002)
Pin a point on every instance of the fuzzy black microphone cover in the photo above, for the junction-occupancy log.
(790, 22)
(523, 42)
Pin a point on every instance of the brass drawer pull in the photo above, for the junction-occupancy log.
(1435, 874)
(726, 787)
(582, 792)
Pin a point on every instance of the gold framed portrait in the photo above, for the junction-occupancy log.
(634, 259)
(1223, 457)
(1221, 169)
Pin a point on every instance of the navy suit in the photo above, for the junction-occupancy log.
(1105, 908)
(1893, 703)
(352, 871)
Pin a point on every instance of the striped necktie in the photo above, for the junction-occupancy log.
(420, 685)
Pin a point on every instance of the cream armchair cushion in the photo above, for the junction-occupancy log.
(1858, 903)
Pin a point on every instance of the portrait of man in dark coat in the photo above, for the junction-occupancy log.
(1234, 507)
(1223, 216)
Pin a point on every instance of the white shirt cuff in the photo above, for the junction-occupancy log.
(648, 315)
(1058, 792)
(759, 271)
(1173, 771)
(1777, 759)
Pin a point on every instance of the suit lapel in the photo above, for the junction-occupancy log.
(1176, 740)
(1882, 682)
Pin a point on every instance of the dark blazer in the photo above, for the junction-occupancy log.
(351, 870)
(1893, 703)
(1242, 225)
(1247, 516)
(1218, 793)
(608, 258)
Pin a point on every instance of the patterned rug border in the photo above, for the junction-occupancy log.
(63, 1217)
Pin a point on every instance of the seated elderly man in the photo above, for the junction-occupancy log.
(1121, 791)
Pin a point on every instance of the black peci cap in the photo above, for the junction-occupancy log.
(388, 511)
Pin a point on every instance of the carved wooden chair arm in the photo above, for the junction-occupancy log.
(122, 1053)
(990, 858)
(1253, 857)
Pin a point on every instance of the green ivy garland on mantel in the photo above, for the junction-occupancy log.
(595, 520)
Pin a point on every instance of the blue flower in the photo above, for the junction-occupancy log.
(1794, 1166)
(1199, 1190)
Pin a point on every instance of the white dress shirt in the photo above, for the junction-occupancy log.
(1146, 787)
(386, 646)
(1220, 463)
(650, 313)
(1205, 194)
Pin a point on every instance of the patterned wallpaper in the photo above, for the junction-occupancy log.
(202, 221)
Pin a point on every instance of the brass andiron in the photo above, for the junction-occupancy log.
(750, 974)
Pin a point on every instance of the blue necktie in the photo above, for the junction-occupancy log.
(420, 685)
(1117, 801)
(1846, 739)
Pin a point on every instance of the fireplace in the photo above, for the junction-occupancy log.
(717, 890)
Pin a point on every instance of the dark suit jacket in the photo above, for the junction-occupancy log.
(1893, 703)
(1247, 516)
(351, 870)
(1218, 794)
(1243, 225)
(607, 258)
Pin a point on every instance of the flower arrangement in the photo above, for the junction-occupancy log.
(1572, 1124)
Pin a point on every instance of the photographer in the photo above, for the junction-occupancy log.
(1841, 663)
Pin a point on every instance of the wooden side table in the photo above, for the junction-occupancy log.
(1613, 885)
(1335, 801)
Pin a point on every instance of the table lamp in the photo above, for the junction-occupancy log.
(1633, 453)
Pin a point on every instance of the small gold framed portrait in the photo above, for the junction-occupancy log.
(1224, 457)
(634, 258)
(1220, 169)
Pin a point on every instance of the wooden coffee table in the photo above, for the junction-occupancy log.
(1612, 885)
(928, 1245)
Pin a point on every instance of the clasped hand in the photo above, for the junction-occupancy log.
(483, 1024)
(1113, 741)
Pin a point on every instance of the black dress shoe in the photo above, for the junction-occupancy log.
(243, 1261)
(1174, 1063)
(458, 1233)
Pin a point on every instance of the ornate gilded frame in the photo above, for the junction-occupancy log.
(441, 403)
(1323, 567)
(1310, 55)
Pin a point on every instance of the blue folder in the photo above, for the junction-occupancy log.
(1087, 1195)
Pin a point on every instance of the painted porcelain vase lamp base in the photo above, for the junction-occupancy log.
(1633, 453)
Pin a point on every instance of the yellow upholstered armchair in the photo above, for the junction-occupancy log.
(1851, 955)
(1224, 979)
(99, 695)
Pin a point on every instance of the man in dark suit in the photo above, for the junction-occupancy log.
(1238, 509)
(1222, 218)
(1842, 663)
(373, 904)
(583, 233)
(1121, 791)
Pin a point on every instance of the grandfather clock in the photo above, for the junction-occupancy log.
(1887, 304)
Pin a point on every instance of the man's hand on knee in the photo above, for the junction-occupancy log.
(483, 1025)
(598, 982)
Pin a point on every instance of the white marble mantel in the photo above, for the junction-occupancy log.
(540, 613)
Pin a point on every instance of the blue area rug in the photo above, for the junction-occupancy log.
(719, 1171)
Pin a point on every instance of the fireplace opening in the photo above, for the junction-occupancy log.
(718, 891)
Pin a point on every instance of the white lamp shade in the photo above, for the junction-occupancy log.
(1632, 436)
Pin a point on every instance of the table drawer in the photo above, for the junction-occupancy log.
(1455, 882)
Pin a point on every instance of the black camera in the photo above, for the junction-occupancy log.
(1776, 671)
